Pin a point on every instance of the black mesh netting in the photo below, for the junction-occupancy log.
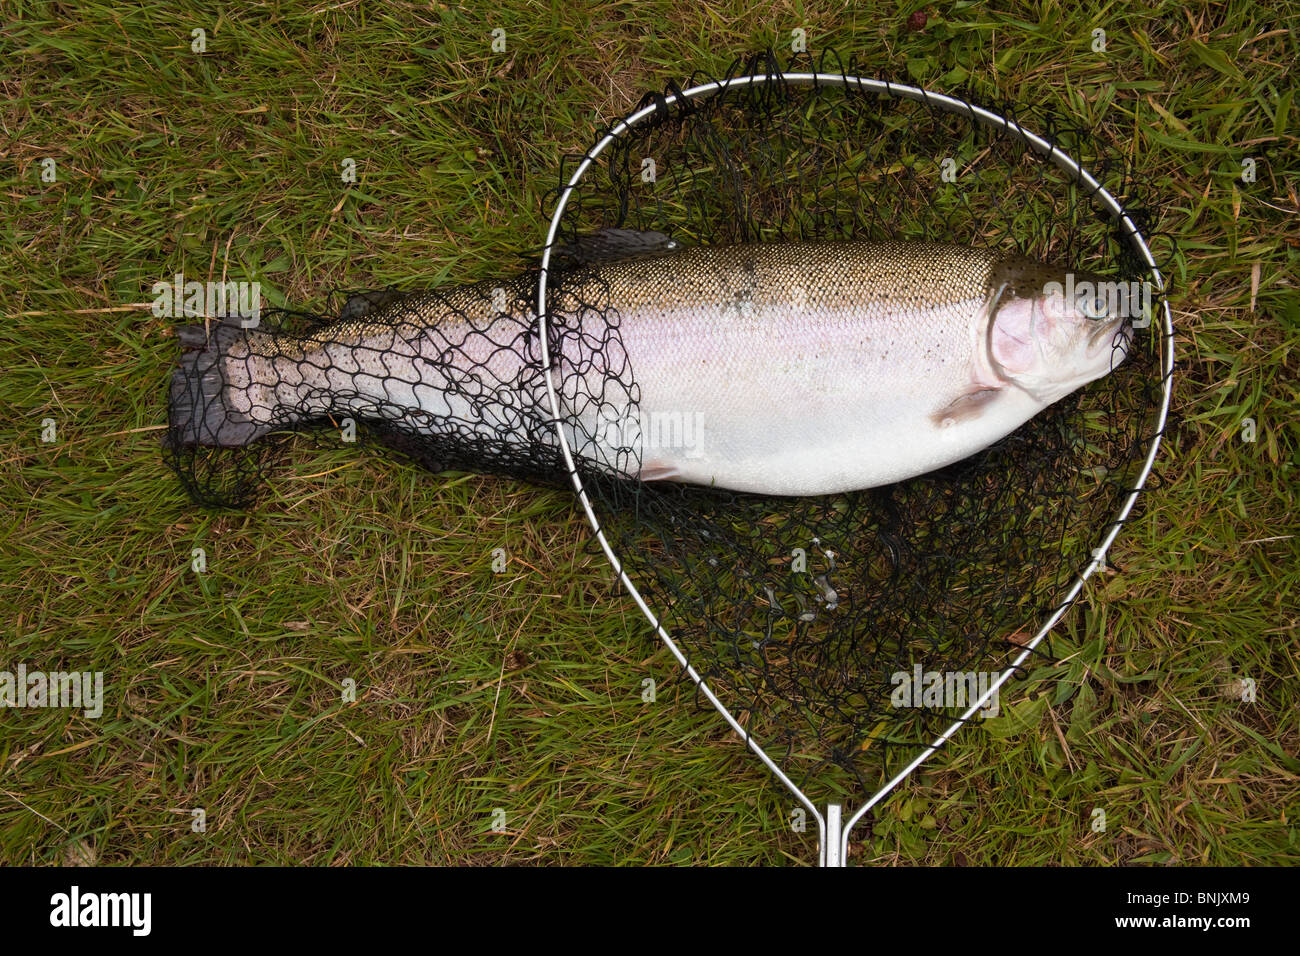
(796, 611)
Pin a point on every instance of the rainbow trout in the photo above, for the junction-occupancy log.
(782, 369)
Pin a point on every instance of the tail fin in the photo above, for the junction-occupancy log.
(199, 412)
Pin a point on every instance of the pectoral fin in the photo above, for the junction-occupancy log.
(658, 471)
(967, 407)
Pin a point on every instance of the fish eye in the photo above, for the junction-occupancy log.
(1093, 306)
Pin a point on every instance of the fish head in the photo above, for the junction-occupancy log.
(1050, 330)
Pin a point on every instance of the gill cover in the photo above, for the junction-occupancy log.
(1013, 342)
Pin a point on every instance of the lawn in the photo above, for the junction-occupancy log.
(499, 717)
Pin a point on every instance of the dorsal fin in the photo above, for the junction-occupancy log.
(609, 245)
(363, 303)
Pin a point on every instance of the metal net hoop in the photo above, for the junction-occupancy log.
(706, 521)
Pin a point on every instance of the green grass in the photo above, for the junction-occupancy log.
(522, 690)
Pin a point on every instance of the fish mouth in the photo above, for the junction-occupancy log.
(1117, 334)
